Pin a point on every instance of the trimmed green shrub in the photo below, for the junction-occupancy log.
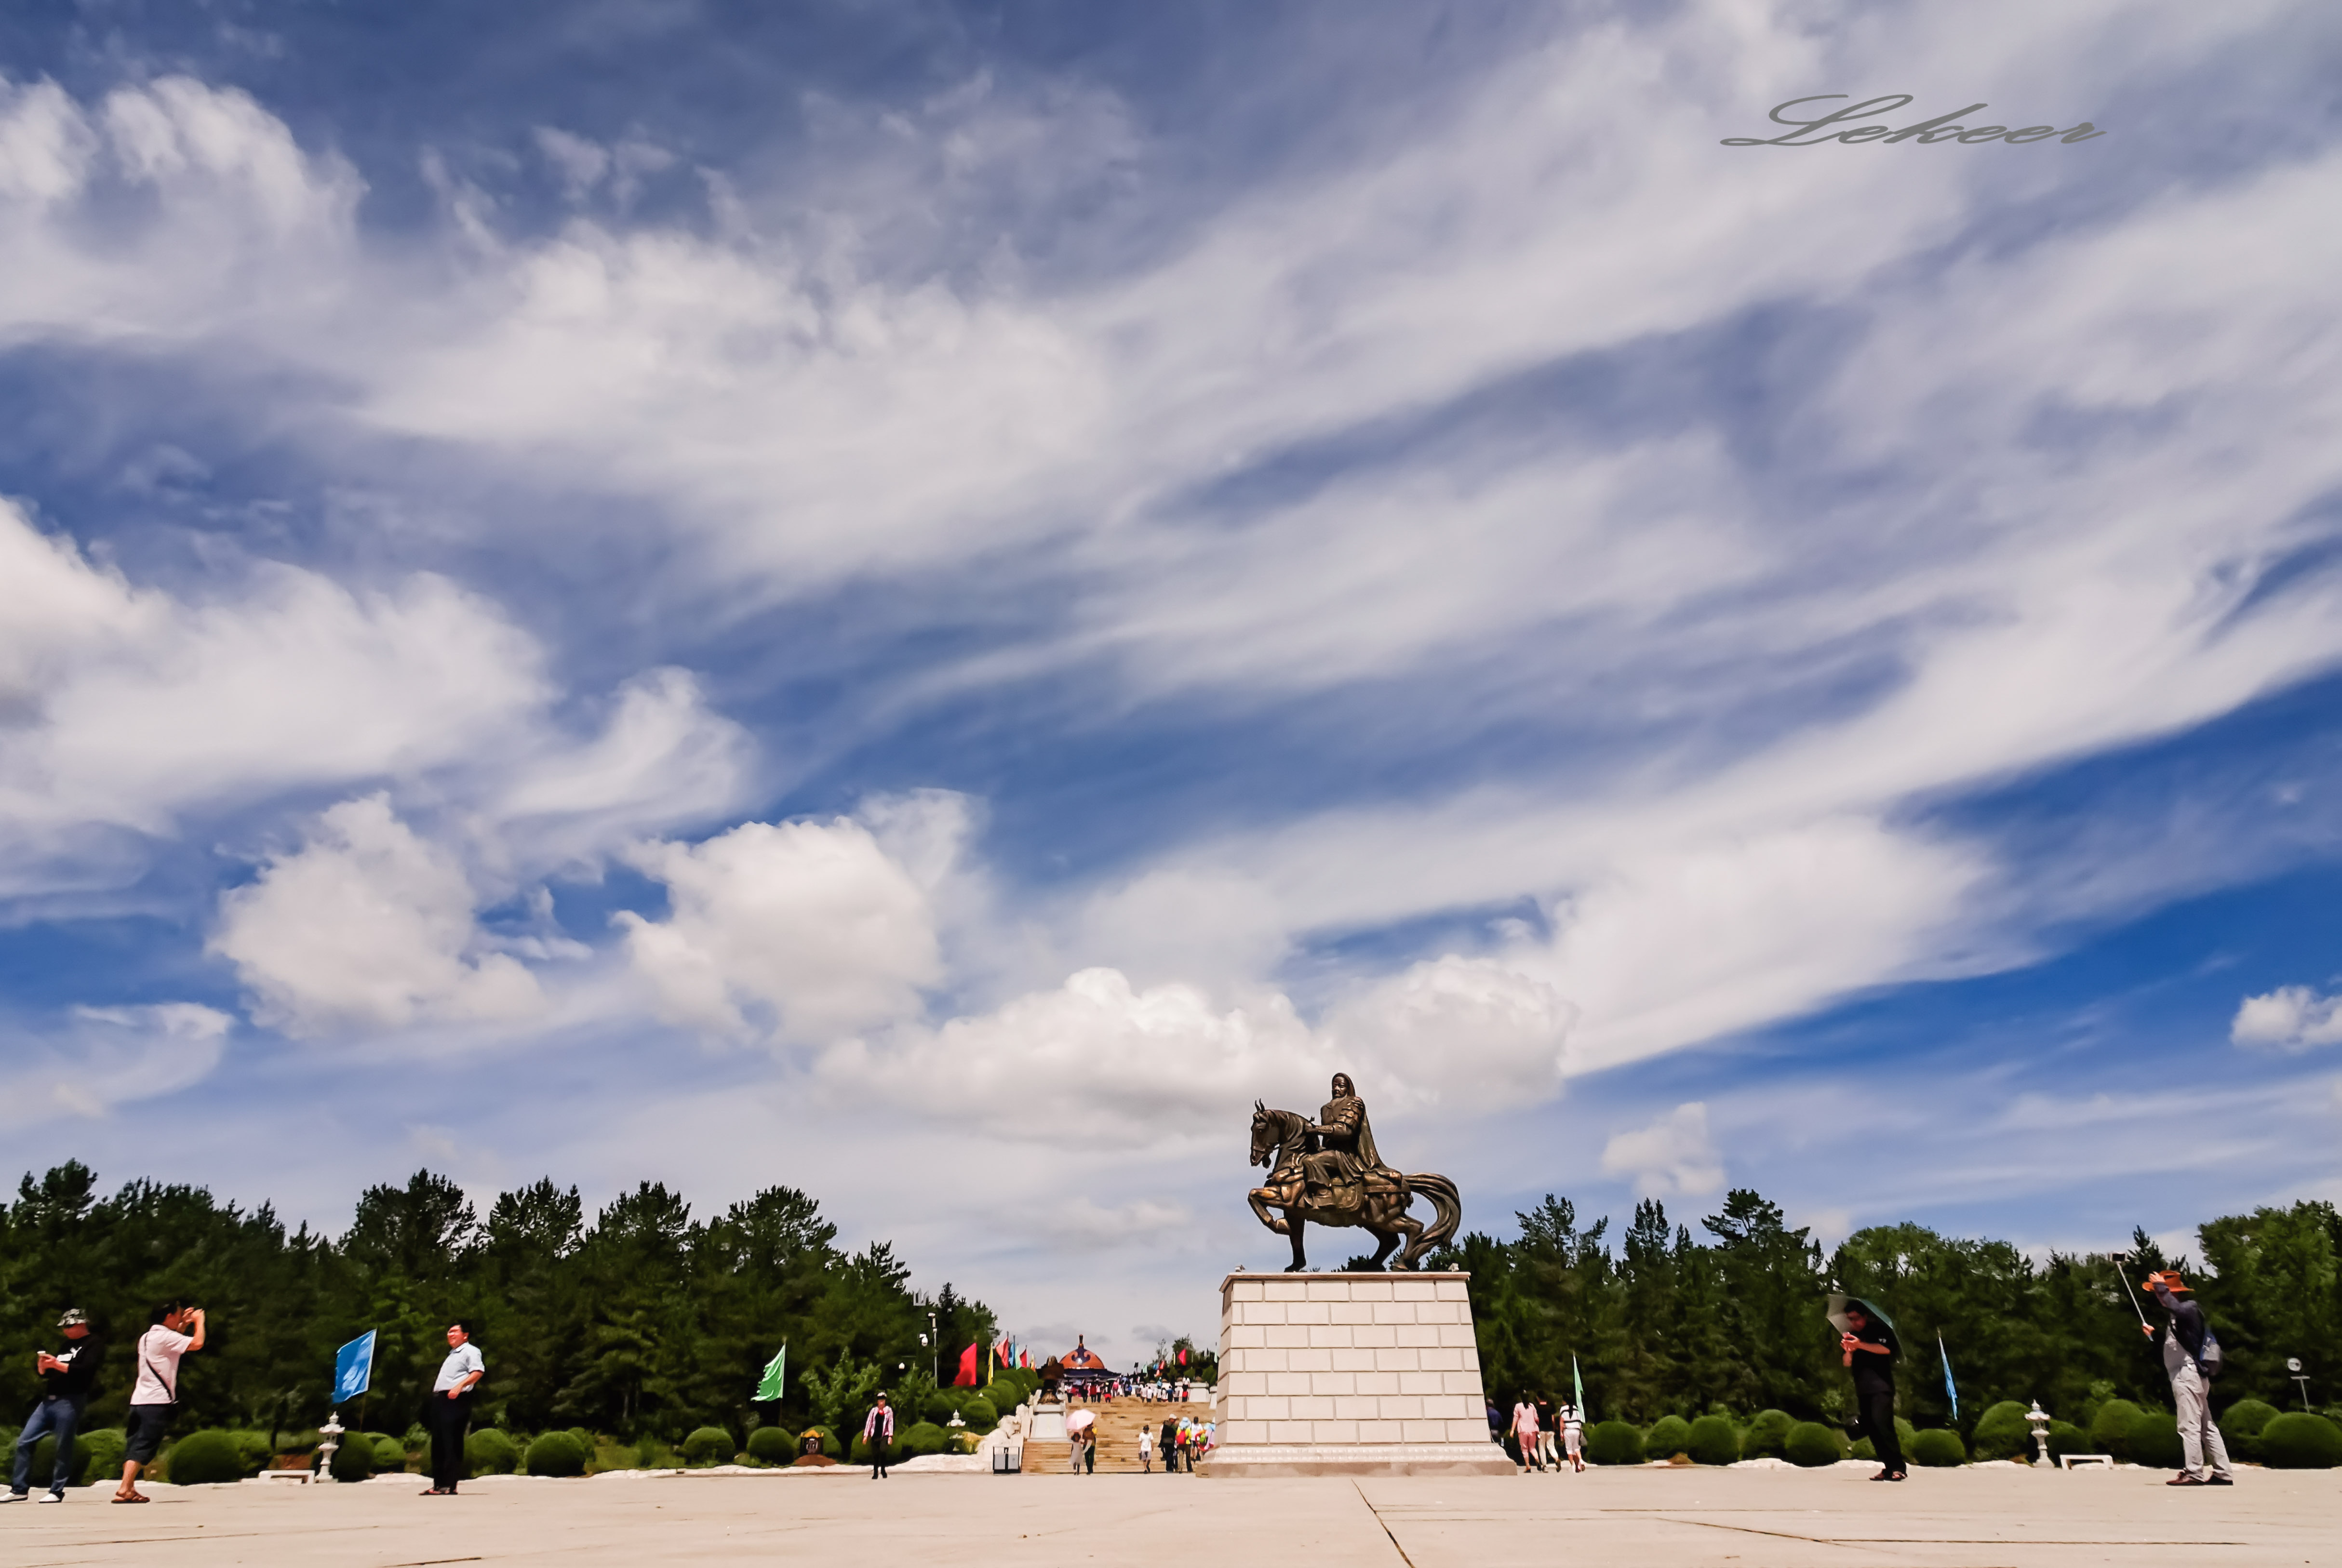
(2242, 1424)
(924, 1437)
(301, 1441)
(558, 1454)
(389, 1453)
(489, 1451)
(2003, 1433)
(2155, 1440)
(1938, 1448)
(1767, 1435)
(2066, 1438)
(208, 1458)
(708, 1445)
(981, 1414)
(354, 1458)
(1712, 1441)
(44, 1459)
(1613, 1442)
(1810, 1445)
(252, 1450)
(773, 1444)
(2298, 1440)
(2110, 1427)
(1670, 1435)
(1904, 1432)
(101, 1455)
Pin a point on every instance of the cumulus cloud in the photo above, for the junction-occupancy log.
(811, 927)
(367, 927)
(2290, 1018)
(1674, 1157)
(1464, 1034)
(1094, 1060)
(109, 1056)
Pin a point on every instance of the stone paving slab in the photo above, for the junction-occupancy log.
(1684, 1518)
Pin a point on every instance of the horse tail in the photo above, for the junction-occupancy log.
(1448, 1204)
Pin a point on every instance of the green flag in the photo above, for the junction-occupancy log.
(1577, 1389)
(769, 1387)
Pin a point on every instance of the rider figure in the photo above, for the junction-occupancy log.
(1346, 1159)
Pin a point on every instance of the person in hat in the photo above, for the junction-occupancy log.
(1868, 1353)
(878, 1432)
(67, 1379)
(2182, 1342)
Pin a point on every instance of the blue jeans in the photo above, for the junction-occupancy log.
(53, 1414)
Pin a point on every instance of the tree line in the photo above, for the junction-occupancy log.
(1731, 1320)
(641, 1321)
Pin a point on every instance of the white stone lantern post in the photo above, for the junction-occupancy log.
(2039, 1418)
(331, 1433)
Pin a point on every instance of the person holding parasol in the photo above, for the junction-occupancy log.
(1867, 1348)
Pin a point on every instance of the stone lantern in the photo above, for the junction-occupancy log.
(2040, 1420)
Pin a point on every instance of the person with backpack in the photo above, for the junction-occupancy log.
(2191, 1356)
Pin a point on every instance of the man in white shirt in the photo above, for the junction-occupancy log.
(449, 1411)
(156, 1394)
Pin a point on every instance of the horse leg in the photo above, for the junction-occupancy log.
(1261, 1198)
(1388, 1239)
(1300, 1264)
(1413, 1232)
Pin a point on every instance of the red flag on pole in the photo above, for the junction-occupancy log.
(966, 1378)
(1182, 1358)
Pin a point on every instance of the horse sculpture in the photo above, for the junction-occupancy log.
(1282, 1141)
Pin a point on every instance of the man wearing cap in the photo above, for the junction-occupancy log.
(67, 1379)
(2191, 1392)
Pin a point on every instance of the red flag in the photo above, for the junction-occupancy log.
(1001, 1350)
(966, 1378)
(1182, 1358)
(1024, 1359)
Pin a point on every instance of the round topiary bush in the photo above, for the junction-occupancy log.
(208, 1458)
(1938, 1448)
(489, 1451)
(2003, 1433)
(1713, 1441)
(773, 1444)
(1810, 1445)
(2066, 1438)
(2298, 1440)
(2155, 1440)
(354, 1458)
(2241, 1426)
(1670, 1435)
(558, 1454)
(923, 1437)
(708, 1445)
(1767, 1435)
(2110, 1427)
(101, 1455)
(252, 1448)
(981, 1414)
(390, 1453)
(1613, 1442)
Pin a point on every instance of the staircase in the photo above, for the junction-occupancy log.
(1118, 1430)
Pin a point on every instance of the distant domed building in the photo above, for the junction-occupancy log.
(1084, 1369)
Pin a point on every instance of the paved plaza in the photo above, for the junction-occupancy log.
(1991, 1517)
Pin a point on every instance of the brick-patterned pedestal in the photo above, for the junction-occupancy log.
(1351, 1374)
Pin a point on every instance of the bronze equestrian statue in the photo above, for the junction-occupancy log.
(1330, 1172)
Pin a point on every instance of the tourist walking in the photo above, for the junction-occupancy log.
(1146, 1450)
(67, 1379)
(1545, 1453)
(1868, 1348)
(878, 1432)
(1525, 1433)
(1573, 1436)
(155, 1396)
(1170, 1445)
(2183, 1341)
(447, 1414)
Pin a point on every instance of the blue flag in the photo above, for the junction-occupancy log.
(353, 1368)
(1950, 1392)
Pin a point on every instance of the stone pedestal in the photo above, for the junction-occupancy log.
(1351, 1374)
(1048, 1424)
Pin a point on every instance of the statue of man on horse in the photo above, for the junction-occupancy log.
(1329, 1171)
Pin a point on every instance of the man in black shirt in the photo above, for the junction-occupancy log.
(66, 1380)
(1868, 1348)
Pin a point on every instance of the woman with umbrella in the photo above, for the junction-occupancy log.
(1868, 1346)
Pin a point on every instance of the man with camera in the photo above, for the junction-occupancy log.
(156, 1397)
(67, 1379)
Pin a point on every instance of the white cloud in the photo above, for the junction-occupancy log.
(110, 1056)
(1674, 1157)
(812, 925)
(1464, 1033)
(2290, 1018)
(1093, 1062)
(367, 927)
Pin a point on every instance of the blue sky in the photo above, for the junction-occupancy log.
(923, 601)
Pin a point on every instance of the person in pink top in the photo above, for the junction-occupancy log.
(156, 1395)
(1525, 1433)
